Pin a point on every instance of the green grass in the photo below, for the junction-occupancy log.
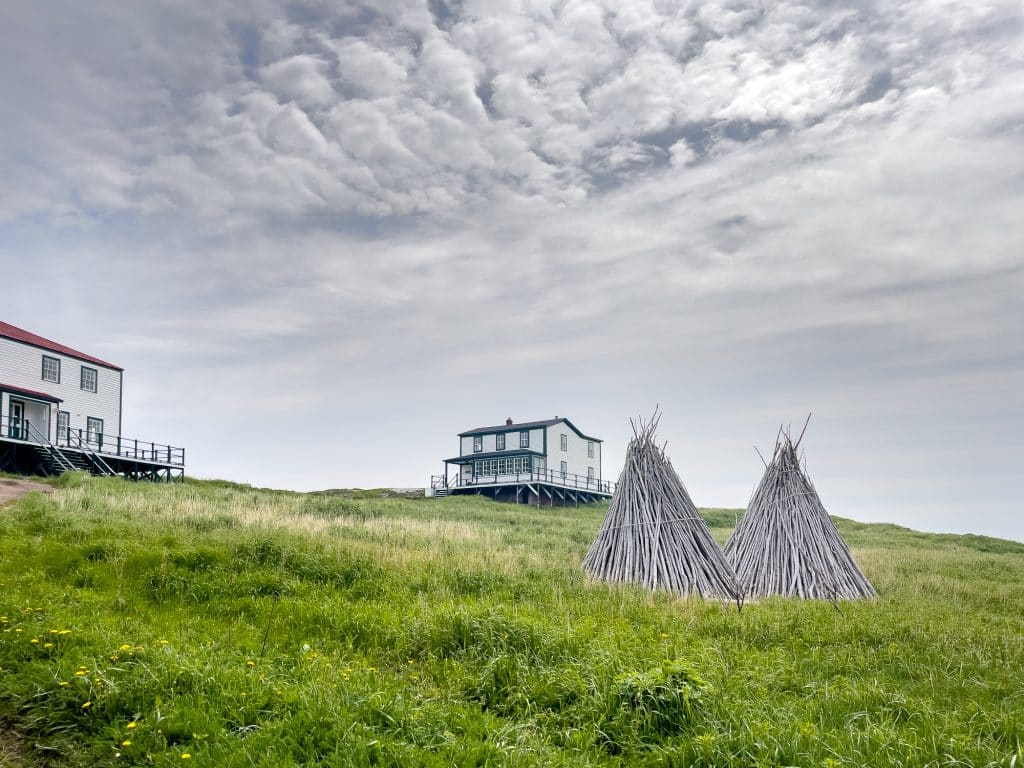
(247, 627)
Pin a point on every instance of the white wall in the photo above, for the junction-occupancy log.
(511, 442)
(21, 365)
(576, 456)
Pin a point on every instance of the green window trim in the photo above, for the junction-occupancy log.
(90, 379)
(51, 369)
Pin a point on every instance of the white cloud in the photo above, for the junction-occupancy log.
(735, 212)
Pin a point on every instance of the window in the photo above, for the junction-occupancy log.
(590, 473)
(524, 439)
(478, 444)
(89, 379)
(590, 449)
(513, 465)
(565, 468)
(565, 442)
(499, 442)
(63, 425)
(94, 430)
(51, 369)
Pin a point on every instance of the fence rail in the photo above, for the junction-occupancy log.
(549, 476)
(105, 445)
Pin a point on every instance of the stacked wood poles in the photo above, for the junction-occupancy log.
(786, 544)
(652, 534)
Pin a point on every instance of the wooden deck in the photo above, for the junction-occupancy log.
(538, 488)
(23, 449)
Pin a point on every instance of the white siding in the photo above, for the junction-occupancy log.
(21, 365)
(511, 441)
(576, 454)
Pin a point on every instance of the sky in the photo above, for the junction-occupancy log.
(323, 238)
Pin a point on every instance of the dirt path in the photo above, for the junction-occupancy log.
(11, 489)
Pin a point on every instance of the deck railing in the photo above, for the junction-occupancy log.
(106, 445)
(549, 476)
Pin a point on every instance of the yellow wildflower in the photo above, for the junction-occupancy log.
(186, 756)
(126, 743)
(47, 645)
(131, 725)
(87, 705)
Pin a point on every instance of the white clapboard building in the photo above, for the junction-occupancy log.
(534, 462)
(61, 409)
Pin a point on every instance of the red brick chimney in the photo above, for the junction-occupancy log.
(508, 422)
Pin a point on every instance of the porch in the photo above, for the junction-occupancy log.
(538, 487)
(33, 447)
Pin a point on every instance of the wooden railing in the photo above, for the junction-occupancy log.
(549, 476)
(107, 445)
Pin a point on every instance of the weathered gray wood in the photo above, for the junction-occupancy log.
(786, 544)
(653, 534)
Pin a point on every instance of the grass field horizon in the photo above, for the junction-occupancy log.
(211, 623)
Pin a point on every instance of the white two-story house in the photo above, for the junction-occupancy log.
(533, 462)
(61, 408)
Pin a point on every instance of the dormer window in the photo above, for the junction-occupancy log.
(478, 444)
(51, 369)
(89, 379)
(499, 442)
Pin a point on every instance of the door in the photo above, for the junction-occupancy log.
(16, 420)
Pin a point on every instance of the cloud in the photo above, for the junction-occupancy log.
(736, 211)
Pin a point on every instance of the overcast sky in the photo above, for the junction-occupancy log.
(322, 239)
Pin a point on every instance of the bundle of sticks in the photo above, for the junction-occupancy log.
(653, 534)
(786, 544)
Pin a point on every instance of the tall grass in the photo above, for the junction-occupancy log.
(145, 623)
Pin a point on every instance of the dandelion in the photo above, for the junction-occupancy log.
(64, 632)
(81, 673)
(186, 756)
(87, 705)
(34, 640)
(664, 635)
(250, 663)
(64, 683)
(47, 645)
(126, 743)
(125, 647)
(131, 725)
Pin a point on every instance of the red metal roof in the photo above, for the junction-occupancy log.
(18, 334)
(29, 393)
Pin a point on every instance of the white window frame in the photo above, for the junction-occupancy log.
(93, 436)
(63, 429)
(565, 469)
(499, 441)
(478, 443)
(95, 379)
(524, 439)
(565, 442)
(590, 449)
(55, 370)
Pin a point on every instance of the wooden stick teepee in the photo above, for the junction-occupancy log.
(653, 534)
(786, 544)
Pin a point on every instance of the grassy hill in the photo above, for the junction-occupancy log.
(212, 624)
